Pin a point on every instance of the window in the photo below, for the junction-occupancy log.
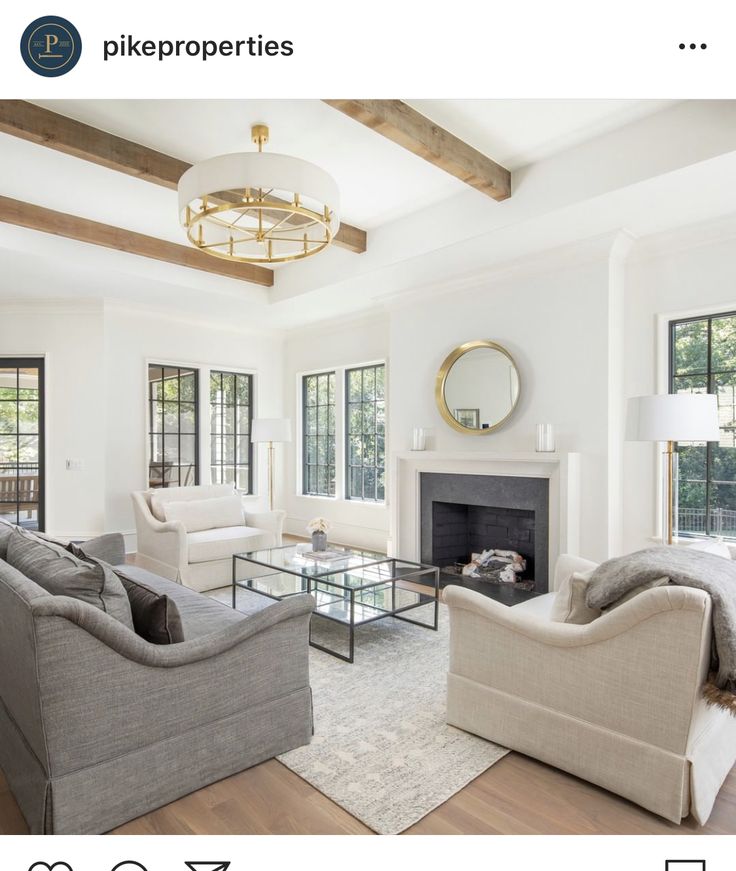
(173, 426)
(22, 442)
(365, 450)
(231, 413)
(318, 416)
(703, 360)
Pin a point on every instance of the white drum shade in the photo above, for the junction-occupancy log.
(271, 429)
(256, 207)
(259, 170)
(673, 417)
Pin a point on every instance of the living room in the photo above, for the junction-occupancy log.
(605, 262)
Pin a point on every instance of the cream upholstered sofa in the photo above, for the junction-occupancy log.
(617, 701)
(194, 543)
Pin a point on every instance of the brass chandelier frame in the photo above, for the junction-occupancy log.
(258, 204)
(297, 218)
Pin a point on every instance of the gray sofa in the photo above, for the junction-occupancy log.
(98, 726)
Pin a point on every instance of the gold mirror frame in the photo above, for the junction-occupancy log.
(439, 389)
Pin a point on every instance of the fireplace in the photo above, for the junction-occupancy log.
(461, 515)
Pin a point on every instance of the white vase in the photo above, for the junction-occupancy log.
(418, 439)
(545, 441)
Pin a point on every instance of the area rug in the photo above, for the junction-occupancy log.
(381, 747)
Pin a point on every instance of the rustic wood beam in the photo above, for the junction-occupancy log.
(83, 230)
(406, 127)
(44, 127)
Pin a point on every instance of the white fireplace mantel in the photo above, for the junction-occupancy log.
(562, 470)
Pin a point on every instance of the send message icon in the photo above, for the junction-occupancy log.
(207, 866)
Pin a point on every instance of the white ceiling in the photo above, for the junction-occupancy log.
(378, 180)
(582, 167)
(516, 133)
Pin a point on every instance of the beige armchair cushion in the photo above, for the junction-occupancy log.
(710, 545)
(217, 544)
(200, 514)
(569, 604)
(157, 498)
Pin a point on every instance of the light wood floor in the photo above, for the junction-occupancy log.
(516, 796)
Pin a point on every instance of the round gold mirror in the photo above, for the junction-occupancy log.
(477, 387)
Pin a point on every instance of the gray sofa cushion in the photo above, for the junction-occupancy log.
(62, 574)
(200, 614)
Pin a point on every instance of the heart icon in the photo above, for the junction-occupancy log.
(61, 865)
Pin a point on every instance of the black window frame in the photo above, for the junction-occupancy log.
(348, 434)
(237, 434)
(152, 433)
(709, 375)
(38, 363)
(306, 465)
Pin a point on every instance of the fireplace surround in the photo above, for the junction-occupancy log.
(461, 514)
(561, 471)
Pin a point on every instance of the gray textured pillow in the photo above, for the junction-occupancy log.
(63, 574)
(6, 530)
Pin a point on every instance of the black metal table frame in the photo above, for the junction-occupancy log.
(324, 578)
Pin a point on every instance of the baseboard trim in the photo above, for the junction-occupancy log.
(343, 533)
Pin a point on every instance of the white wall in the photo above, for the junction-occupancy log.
(336, 345)
(96, 360)
(70, 337)
(582, 329)
(554, 321)
(132, 340)
(684, 274)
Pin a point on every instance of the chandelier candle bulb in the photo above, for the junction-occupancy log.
(545, 442)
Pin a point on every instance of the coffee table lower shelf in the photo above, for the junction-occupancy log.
(356, 595)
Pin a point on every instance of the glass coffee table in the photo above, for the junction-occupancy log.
(353, 589)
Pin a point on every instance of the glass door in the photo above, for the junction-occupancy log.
(22, 442)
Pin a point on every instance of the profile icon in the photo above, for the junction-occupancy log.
(51, 46)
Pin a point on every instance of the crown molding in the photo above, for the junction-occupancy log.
(41, 305)
(157, 313)
(715, 231)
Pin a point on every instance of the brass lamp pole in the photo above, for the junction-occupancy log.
(269, 430)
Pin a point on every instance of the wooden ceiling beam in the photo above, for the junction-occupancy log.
(44, 127)
(410, 129)
(83, 230)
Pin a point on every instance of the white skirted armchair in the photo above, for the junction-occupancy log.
(189, 534)
(617, 701)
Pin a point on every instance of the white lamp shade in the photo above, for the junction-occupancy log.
(675, 417)
(271, 429)
(266, 171)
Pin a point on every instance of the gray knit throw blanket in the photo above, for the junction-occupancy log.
(687, 568)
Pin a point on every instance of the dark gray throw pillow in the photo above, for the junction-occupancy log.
(155, 616)
(63, 574)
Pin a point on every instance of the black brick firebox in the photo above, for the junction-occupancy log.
(464, 514)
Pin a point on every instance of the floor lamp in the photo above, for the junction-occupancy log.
(671, 418)
(270, 430)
